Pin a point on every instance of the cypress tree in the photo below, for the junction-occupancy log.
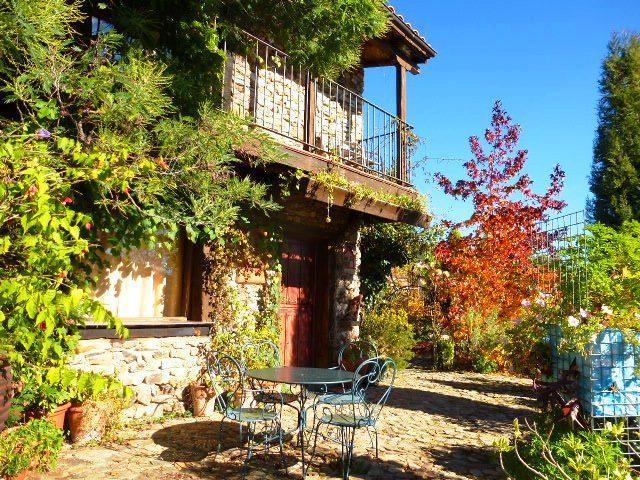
(615, 173)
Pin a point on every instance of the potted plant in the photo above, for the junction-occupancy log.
(7, 385)
(201, 391)
(96, 400)
(6, 390)
(33, 446)
(45, 393)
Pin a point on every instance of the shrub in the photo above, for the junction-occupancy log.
(444, 353)
(604, 263)
(31, 446)
(554, 452)
(483, 348)
(391, 331)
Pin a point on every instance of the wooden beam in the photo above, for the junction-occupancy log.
(401, 92)
(401, 141)
(310, 113)
(406, 64)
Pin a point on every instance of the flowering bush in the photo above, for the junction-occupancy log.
(610, 274)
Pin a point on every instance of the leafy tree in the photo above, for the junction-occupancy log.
(324, 35)
(615, 174)
(388, 245)
(487, 259)
(187, 34)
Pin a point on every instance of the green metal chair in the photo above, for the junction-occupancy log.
(372, 384)
(238, 403)
(350, 356)
(264, 354)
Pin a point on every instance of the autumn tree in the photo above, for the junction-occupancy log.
(486, 262)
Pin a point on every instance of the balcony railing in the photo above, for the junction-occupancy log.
(314, 114)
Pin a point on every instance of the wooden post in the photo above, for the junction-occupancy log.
(310, 113)
(401, 112)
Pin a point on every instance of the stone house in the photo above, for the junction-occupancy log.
(321, 125)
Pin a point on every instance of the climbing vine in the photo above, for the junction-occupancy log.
(250, 313)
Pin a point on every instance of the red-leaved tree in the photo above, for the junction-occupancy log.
(488, 258)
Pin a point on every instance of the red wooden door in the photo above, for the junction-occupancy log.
(297, 304)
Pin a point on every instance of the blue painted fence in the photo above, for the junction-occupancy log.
(608, 386)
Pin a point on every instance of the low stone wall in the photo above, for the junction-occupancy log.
(157, 369)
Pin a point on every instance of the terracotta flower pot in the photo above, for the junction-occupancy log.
(6, 393)
(21, 476)
(86, 422)
(199, 398)
(57, 416)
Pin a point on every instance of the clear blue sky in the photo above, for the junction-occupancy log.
(542, 59)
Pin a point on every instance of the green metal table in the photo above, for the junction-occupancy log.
(302, 377)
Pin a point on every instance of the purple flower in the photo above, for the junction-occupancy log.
(526, 303)
(43, 133)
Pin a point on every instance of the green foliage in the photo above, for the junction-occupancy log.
(186, 35)
(94, 151)
(92, 386)
(483, 347)
(444, 350)
(545, 450)
(358, 191)
(388, 245)
(32, 446)
(615, 174)
(391, 332)
(329, 50)
(613, 266)
(43, 389)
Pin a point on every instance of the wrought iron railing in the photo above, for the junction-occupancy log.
(314, 114)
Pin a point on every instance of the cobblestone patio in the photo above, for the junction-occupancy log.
(437, 425)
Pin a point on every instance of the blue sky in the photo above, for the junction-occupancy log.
(542, 59)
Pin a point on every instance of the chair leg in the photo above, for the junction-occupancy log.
(316, 430)
(250, 435)
(375, 430)
(350, 441)
(220, 435)
(281, 444)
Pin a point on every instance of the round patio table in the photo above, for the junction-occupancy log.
(302, 377)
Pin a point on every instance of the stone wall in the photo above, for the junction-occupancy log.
(157, 369)
(346, 298)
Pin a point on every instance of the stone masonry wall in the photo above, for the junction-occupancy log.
(157, 369)
(346, 299)
(275, 97)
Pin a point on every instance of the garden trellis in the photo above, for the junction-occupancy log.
(560, 254)
(608, 387)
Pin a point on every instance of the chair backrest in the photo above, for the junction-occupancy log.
(373, 381)
(227, 378)
(352, 354)
(260, 354)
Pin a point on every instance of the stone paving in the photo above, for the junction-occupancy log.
(437, 425)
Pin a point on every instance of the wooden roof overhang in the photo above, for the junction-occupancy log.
(400, 45)
(377, 210)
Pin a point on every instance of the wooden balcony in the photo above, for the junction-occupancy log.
(329, 121)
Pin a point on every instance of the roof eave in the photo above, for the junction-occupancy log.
(411, 34)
